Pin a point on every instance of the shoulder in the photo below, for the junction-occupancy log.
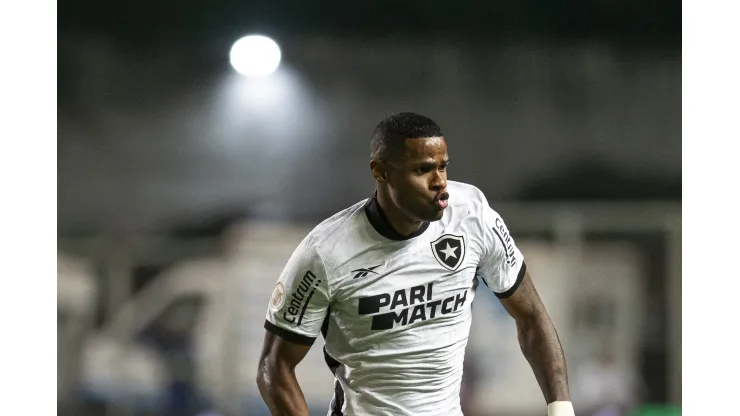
(466, 197)
(470, 206)
(341, 226)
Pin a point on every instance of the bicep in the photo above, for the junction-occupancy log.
(279, 353)
(525, 303)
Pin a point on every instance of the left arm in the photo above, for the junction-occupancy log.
(539, 340)
(502, 269)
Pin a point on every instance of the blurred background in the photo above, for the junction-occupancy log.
(184, 185)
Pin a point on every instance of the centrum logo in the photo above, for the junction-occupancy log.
(300, 298)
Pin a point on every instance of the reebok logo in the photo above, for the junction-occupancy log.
(364, 272)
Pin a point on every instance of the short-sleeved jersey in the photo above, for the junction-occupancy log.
(395, 311)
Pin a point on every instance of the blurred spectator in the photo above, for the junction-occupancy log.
(172, 335)
(604, 386)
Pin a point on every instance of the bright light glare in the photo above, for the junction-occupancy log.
(255, 56)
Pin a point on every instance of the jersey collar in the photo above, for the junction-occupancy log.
(379, 221)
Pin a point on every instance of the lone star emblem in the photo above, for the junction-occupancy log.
(449, 250)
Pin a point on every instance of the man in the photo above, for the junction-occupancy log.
(389, 283)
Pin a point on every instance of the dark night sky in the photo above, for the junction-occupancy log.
(628, 21)
(137, 81)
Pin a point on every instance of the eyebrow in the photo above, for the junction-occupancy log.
(430, 162)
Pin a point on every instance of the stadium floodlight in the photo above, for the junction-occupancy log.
(255, 56)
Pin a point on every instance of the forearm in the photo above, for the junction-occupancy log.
(280, 391)
(541, 347)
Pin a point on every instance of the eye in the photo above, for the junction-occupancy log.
(443, 167)
(423, 170)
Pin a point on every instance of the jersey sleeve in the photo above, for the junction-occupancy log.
(502, 265)
(300, 299)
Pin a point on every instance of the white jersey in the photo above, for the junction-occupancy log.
(395, 311)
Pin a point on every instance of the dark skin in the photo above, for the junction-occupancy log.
(410, 183)
(410, 180)
(538, 340)
(276, 376)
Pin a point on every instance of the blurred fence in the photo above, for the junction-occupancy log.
(159, 325)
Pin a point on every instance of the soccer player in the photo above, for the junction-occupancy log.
(389, 284)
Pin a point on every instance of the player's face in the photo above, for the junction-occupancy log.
(417, 179)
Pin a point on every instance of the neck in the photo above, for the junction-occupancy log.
(396, 218)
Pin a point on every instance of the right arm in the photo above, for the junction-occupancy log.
(295, 314)
(276, 376)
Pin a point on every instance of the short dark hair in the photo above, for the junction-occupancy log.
(392, 131)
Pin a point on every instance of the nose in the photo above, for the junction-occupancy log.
(439, 181)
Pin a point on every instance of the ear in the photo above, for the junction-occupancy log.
(380, 173)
